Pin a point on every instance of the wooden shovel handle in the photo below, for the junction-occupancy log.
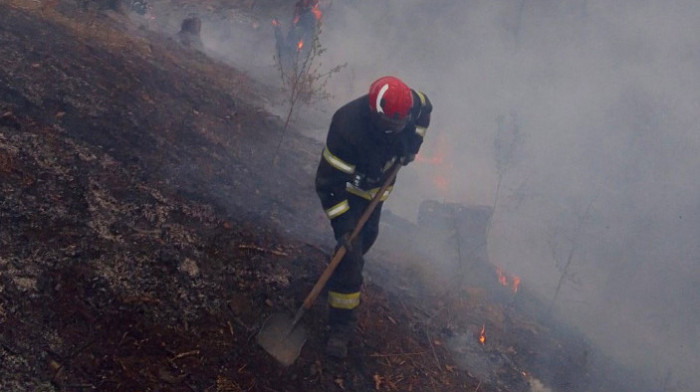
(340, 252)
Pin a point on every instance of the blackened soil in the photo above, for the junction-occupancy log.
(150, 220)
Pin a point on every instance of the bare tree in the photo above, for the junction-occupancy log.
(301, 74)
(507, 148)
(564, 262)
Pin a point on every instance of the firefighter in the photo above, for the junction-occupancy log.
(366, 137)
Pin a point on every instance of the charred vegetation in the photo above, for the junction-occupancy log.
(145, 235)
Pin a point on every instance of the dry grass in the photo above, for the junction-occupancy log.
(109, 31)
(29, 4)
(84, 25)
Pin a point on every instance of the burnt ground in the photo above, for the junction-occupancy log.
(147, 229)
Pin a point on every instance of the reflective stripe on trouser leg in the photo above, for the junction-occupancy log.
(347, 301)
(346, 281)
(338, 209)
(341, 309)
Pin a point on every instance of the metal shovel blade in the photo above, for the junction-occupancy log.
(281, 338)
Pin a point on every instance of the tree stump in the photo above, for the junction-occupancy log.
(189, 33)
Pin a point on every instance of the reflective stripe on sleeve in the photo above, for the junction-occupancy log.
(421, 97)
(368, 195)
(343, 301)
(337, 162)
(421, 130)
(338, 209)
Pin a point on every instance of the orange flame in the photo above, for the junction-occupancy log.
(275, 22)
(438, 162)
(482, 334)
(300, 44)
(439, 157)
(503, 280)
(316, 11)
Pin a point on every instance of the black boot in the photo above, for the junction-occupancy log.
(341, 325)
(338, 339)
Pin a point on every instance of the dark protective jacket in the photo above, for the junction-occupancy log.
(357, 155)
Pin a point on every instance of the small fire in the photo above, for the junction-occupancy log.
(316, 11)
(275, 22)
(516, 284)
(300, 44)
(482, 334)
(440, 151)
(438, 164)
(503, 280)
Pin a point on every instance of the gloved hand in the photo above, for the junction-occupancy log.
(406, 159)
(403, 151)
(363, 181)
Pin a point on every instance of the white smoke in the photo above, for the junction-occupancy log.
(607, 96)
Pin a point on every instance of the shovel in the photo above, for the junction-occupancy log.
(280, 335)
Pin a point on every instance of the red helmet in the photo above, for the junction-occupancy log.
(391, 98)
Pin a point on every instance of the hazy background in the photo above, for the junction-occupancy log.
(606, 97)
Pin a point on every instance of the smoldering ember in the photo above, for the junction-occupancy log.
(157, 206)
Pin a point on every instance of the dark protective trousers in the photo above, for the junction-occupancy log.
(346, 280)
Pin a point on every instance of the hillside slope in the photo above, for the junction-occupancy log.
(141, 229)
(149, 224)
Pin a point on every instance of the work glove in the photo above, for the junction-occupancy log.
(406, 159)
(403, 150)
(369, 173)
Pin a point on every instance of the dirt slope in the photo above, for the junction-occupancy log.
(145, 234)
(140, 246)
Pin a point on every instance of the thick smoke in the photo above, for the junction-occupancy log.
(606, 97)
